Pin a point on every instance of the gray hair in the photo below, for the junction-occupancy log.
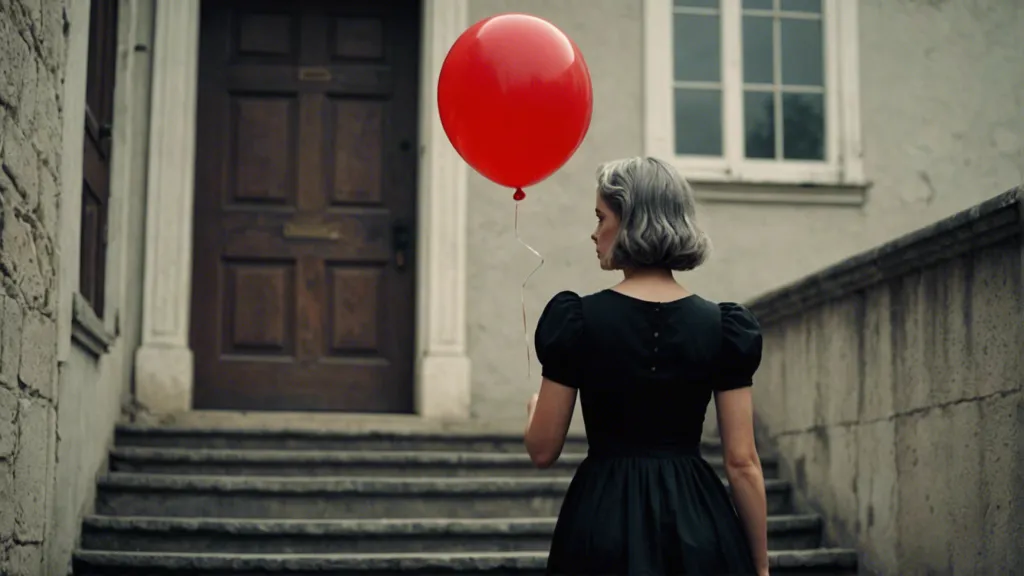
(657, 212)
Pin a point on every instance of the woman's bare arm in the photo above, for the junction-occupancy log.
(743, 468)
(547, 422)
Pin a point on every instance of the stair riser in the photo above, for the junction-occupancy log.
(348, 544)
(362, 470)
(325, 470)
(208, 542)
(117, 502)
(226, 441)
(322, 507)
(81, 569)
(341, 443)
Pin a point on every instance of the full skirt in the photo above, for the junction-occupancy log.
(645, 516)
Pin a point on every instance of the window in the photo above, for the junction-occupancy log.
(99, 112)
(757, 91)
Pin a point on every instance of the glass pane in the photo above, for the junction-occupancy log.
(698, 122)
(803, 121)
(757, 49)
(696, 48)
(802, 53)
(696, 3)
(757, 4)
(759, 124)
(802, 5)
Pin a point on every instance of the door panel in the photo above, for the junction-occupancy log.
(305, 186)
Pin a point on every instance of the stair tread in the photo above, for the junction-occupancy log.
(359, 484)
(342, 456)
(126, 430)
(373, 525)
(477, 434)
(820, 557)
(332, 456)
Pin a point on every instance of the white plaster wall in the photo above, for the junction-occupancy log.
(557, 215)
(92, 389)
(942, 98)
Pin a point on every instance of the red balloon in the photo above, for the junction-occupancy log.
(515, 98)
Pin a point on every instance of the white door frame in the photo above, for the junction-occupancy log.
(164, 361)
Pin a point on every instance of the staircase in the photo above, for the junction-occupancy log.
(194, 500)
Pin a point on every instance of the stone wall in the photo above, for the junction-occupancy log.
(32, 40)
(893, 389)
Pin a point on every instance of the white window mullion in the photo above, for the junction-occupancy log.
(732, 86)
(833, 125)
(659, 113)
(844, 16)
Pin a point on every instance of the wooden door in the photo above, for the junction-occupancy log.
(303, 283)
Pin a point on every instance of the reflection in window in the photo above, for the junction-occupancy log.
(759, 120)
(697, 77)
(696, 3)
(698, 122)
(783, 79)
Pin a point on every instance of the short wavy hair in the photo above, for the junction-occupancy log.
(657, 216)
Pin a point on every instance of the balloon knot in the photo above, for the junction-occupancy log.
(519, 195)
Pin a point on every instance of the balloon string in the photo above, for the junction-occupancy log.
(522, 294)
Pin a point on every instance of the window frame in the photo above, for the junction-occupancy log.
(843, 163)
(101, 69)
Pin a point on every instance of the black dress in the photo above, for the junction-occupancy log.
(644, 501)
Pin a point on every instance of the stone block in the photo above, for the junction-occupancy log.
(49, 199)
(20, 160)
(27, 100)
(48, 125)
(996, 331)
(30, 471)
(878, 361)
(799, 392)
(38, 353)
(1000, 480)
(8, 422)
(839, 491)
(839, 377)
(21, 256)
(908, 313)
(769, 383)
(25, 560)
(52, 39)
(939, 462)
(33, 9)
(10, 341)
(876, 490)
(7, 511)
(15, 57)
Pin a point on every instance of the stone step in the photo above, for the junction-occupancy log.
(214, 462)
(127, 494)
(209, 535)
(103, 563)
(197, 437)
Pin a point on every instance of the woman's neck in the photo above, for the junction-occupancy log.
(648, 274)
(652, 284)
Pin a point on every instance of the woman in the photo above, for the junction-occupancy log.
(646, 356)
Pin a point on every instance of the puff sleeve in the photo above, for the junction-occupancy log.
(740, 353)
(557, 339)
